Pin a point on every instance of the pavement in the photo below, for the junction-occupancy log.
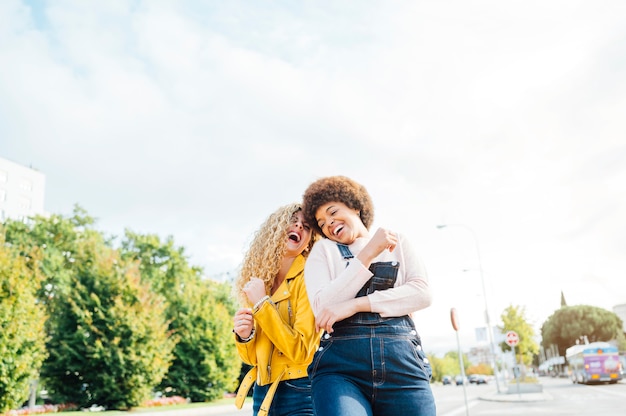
(222, 409)
(510, 394)
(521, 393)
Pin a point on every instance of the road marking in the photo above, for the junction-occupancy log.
(619, 393)
(461, 409)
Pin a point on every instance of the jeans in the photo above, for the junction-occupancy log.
(372, 370)
(292, 398)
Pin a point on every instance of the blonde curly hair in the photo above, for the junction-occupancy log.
(265, 254)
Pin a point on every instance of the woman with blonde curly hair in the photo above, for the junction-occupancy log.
(275, 328)
(363, 287)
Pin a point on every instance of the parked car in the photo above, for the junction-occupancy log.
(446, 380)
(477, 379)
(459, 380)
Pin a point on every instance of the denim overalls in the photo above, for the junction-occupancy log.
(371, 365)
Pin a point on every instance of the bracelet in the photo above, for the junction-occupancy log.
(259, 303)
(249, 338)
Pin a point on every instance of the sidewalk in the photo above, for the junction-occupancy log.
(200, 411)
(526, 393)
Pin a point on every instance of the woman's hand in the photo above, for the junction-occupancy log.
(243, 322)
(254, 290)
(382, 240)
(340, 311)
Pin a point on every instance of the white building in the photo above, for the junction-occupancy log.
(21, 191)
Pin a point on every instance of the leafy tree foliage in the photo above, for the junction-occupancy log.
(199, 312)
(22, 336)
(123, 322)
(570, 323)
(448, 365)
(108, 339)
(110, 344)
(480, 368)
(514, 319)
(57, 238)
(206, 363)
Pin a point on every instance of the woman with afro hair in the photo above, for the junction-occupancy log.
(275, 328)
(363, 288)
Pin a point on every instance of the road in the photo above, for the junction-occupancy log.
(560, 398)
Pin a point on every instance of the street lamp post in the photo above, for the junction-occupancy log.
(487, 319)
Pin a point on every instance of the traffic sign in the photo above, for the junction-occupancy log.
(512, 338)
(454, 319)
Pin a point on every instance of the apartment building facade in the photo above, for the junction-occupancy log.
(22, 191)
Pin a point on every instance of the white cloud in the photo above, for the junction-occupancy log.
(197, 119)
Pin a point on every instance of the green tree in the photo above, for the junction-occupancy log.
(110, 344)
(108, 340)
(22, 336)
(199, 312)
(448, 365)
(57, 238)
(206, 364)
(514, 319)
(569, 324)
(436, 365)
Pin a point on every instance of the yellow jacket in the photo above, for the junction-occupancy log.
(285, 339)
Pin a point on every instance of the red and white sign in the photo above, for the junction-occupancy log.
(454, 318)
(512, 338)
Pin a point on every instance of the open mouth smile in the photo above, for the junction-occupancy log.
(293, 236)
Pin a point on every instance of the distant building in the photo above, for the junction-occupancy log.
(480, 355)
(21, 191)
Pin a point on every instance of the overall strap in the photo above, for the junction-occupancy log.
(345, 253)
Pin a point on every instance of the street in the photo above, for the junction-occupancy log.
(560, 397)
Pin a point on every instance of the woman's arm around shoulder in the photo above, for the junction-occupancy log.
(412, 291)
(330, 278)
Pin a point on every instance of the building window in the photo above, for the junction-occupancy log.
(26, 184)
(24, 203)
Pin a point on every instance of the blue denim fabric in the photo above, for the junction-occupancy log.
(370, 365)
(384, 275)
(372, 370)
(292, 398)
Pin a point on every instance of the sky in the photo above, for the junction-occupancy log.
(197, 119)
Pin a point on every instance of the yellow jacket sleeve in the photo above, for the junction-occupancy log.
(298, 342)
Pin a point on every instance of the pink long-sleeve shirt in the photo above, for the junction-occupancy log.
(329, 281)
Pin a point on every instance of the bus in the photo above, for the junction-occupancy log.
(597, 362)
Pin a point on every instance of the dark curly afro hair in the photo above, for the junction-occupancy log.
(337, 189)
